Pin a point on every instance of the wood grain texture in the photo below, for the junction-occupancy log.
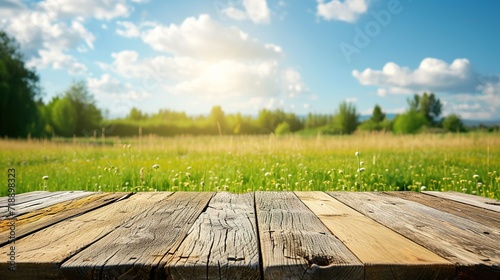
(474, 200)
(39, 255)
(137, 248)
(470, 245)
(222, 244)
(38, 219)
(24, 197)
(42, 202)
(296, 245)
(385, 253)
(476, 214)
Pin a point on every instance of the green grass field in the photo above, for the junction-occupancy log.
(460, 162)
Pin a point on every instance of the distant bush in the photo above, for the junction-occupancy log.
(409, 122)
(370, 125)
(282, 129)
(453, 123)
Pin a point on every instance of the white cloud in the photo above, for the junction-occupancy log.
(480, 105)
(431, 75)
(99, 9)
(207, 60)
(472, 106)
(234, 13)
(351, 100)
(109, 87)
(128, 30)
(347, 10)
(50, 29)
(58, 60)
(10, 7)
(210, 79)
(206, 39)
(255, 10)
(460, 88)
(34, 31)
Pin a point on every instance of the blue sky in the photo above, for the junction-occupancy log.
(245, 55)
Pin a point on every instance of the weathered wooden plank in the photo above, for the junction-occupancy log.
(476, 214)
(20, 199)
(24, 197)
(138, 247)
(296, 245)
(222, 244)
(39, 255)
(474, 200)
(36, 220)
(43, 202)
(472, 246)
(386, 254)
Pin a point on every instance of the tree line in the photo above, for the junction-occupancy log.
(74, 113)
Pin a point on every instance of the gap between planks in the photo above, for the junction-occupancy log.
(473, 247)
(138, 247)
(385, 253)
(221, 244)
(474, 200)
(43, 251)
(295, 244)
(39, 219)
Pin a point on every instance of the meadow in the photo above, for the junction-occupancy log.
(466, 163)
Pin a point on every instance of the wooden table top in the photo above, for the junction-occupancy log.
(261, 235)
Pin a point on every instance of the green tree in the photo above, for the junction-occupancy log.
(217, 117)
(89, 117)
(369, 125)
(345, 120)
(19, 91)
(428, 105)
(377, 121)
(282, 129)
(317, 120)
(377, 115)
(453, 123)
(265, 121)
(64, 117)
(294, 122)
(409, 122)
(136, 115)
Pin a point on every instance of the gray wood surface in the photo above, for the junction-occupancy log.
(33, 221)
(41, 202)
(474, 247)
(269, 235)
(24, 197)
(474, 200)
(222, 244)
(296, 245)
(385, 253)
(40, 254)
(476, 214)
(137, 247)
